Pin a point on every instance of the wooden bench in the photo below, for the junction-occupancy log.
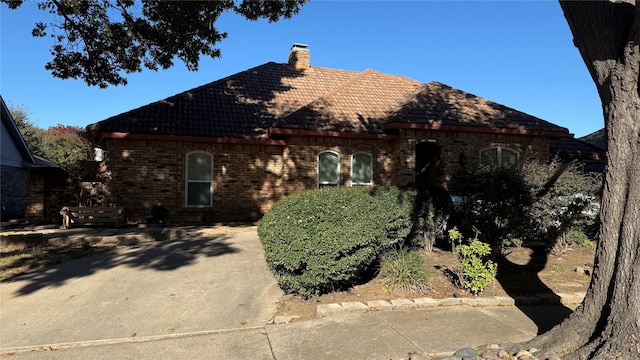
(94, 215)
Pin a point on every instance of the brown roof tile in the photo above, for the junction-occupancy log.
(441, 105)
(361, 104)
(243, 105)
(247, 104)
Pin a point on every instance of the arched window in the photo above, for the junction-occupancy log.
(199, 187)
(361, 169)
(499, 157)
(328, 169)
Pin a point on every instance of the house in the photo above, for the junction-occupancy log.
(33, 188)
(15, 160)
(230, 149)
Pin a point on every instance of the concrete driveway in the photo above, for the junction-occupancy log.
(205, 282)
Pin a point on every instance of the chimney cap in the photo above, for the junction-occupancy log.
(300, 46)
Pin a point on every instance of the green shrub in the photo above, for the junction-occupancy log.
(404, 269)
(476, 272)
(415, 217)
(577, 236)
(564, 199)
(397, 205)
(495, 204)
(321, 240)
(537, 201)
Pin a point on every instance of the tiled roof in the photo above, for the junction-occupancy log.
(247, 104)
(360, 105)
(243, 105)
(440, 105)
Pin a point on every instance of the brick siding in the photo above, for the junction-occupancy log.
(48, 190)
(249, 179)
(13, 184)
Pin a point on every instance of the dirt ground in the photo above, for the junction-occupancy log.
(524, 271)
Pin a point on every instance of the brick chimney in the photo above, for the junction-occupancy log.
(299, 57)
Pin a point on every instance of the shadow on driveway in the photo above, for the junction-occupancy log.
(162, 256)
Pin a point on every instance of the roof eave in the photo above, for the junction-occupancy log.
(335, 134)
(179, 138)
(477, 129)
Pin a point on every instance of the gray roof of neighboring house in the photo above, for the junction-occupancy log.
(271, 97)
(576, 149)
(596, 138)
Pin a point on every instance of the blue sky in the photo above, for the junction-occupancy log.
(517, 53)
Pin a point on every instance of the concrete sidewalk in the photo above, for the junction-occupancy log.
(371, 335)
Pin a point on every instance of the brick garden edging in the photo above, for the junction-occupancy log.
(334, 309)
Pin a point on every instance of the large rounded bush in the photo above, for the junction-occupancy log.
(318, 241)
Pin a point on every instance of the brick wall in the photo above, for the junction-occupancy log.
(12, 193)
(249, 179)
(463, 149)
(48, 190)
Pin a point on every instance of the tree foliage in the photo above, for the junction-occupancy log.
(66, 146)
(30, 132)
(100, 41)
(62, 144)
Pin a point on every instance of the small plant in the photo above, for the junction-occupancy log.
(404, 269)
(576, 236)
(475, 273)
(455, 238)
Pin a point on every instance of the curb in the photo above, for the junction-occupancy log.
(335, 309)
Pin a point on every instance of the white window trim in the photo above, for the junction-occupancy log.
(370, 172)
(499, 151)
(318, 183)
(187, 181)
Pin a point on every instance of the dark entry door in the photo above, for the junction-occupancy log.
(427, 162)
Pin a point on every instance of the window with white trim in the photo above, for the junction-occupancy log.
(199, 187)
(328, 169)
(361, 169)
(499, 157)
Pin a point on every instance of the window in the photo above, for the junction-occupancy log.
(328, 169)
(361, 169)
(199, 191)
(499, 157)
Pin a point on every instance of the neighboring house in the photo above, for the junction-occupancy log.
(16, 159)
(230, 149)
(588, 151)
(49, 188)
(33, 188)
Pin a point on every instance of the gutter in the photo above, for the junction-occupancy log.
(477, 130)
(198, 139)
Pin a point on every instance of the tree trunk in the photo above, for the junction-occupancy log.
(607, 324)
